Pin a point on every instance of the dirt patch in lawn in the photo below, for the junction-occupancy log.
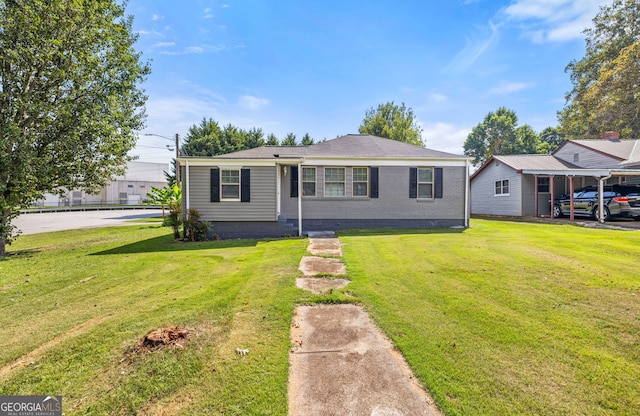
(320, 285)
(169, 336)
(314, 266)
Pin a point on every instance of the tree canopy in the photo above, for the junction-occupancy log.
(395, 122)
(208, 139)
(70, 102)
(499, 134)
(606, 81)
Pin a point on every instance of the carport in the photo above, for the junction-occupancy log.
(602, 175)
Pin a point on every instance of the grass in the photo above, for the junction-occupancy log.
(74, 303)
(502, 318)
(509, 318)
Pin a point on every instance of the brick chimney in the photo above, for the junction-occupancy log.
(612, 136)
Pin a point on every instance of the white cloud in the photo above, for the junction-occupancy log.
(163, 44)
(507, 87)
(437, 97)
(200, 49)
(553, 20)
(445, 137)
(475, 47)
(249, 102)
(156, 17)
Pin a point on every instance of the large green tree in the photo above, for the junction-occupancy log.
(209, 139)
(70, 101)
(499, 134)
(395, 122)
(550, 139)
(606, 81)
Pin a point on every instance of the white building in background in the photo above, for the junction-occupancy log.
(130, 189)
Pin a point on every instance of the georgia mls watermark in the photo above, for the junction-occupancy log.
(30, 405)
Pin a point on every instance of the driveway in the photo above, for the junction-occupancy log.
(69, 220)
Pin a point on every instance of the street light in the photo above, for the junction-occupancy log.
(177, 152)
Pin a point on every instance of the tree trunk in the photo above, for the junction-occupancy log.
(3, 245)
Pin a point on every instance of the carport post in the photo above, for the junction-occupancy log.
(571, 190)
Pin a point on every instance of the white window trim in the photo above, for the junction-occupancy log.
(315, 181)
(432, 183)
(344, 182)
(353, 181)
(238, 185)
(502, 187)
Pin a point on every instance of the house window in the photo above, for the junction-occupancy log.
(543, 184)
(334, 181)
(308, 181)
(576, 157)
(230, 184)
(502, 187)
(360, 181)
(425, 183)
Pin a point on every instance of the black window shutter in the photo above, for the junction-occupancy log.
(374, 182)
(438, 183)
(294, 181)
(413, 182)
(215, 185)
(245, 185)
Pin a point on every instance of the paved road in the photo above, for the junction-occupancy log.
(57, 221)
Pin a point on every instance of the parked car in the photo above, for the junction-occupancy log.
(585, 203)
(632, 192)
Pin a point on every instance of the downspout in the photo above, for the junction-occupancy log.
(535, 197)
(466, 196)
(186, 184)
(278, 189)
(299, 199)
(601, 198)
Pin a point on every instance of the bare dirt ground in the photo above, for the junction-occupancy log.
(343, 365)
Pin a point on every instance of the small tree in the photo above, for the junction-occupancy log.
(272, 140)
(290, 140)
(169, 196)
(306, 140)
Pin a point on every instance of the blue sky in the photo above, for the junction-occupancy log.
(318, 66)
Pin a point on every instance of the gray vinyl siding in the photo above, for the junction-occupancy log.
(587, 158)
(483, 198)
(393, 201)
(262, 205)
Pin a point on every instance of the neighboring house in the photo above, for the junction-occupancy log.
(131, 188)
(354, 181)
(523, 185)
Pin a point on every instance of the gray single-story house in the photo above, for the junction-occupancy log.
(523, 185)
(353, 181)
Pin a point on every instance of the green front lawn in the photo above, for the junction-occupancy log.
(509, 318)
(502, 318)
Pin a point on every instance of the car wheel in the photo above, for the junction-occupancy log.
(596, 214)
(557, 212)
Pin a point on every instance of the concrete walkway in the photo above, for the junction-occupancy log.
(342, 364)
